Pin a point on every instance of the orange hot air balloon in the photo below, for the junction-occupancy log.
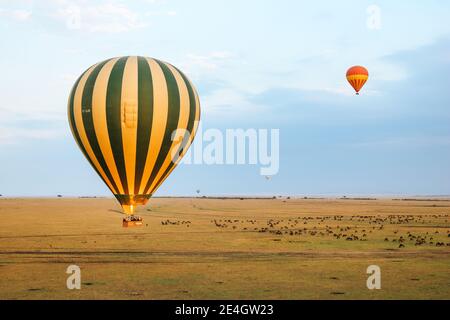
(357, 77)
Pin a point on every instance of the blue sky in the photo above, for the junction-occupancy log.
(256, 64)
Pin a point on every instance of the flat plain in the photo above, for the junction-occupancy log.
(202, 248)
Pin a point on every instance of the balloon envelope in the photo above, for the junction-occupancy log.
(357, 77)
(133, 118)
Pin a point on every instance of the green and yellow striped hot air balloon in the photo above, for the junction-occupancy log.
(133, 118)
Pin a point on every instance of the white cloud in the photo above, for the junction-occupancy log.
(210, 60)
(171, 13)
(227, 100)
(105, 17)
(17, 15)
(347, 90)
(25, 119)
(12, 135)
(21, 15)
(99, 16)
(202, 62)
(202, 66)
(19, 123)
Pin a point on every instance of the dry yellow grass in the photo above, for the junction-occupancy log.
(230, 249)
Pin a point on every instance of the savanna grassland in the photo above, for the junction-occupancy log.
(194, 248)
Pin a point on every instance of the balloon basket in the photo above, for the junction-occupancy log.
(132, 221)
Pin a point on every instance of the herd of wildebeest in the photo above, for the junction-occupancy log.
(390, 228)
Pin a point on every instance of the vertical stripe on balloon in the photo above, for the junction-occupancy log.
(129, 119)
(172, 121)
(113, 118)
(159, 123)
(183, 147)
(77, 111)
(88, 122)
(178, 133)
(145, 119)
(99, 116)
